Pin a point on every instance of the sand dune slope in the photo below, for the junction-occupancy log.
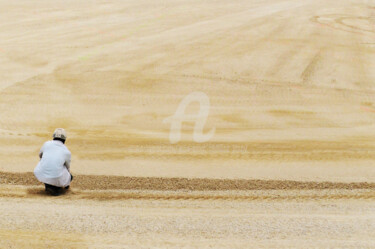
(290, 86)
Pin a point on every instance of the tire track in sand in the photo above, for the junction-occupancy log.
(101, 182)
(118, 195)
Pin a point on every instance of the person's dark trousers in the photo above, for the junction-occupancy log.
(53, 190)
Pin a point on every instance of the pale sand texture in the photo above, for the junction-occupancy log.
(128, 212)
(292, 94)
(291, 86)
(162, 219)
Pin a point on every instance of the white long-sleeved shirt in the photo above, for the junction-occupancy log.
(54, 165)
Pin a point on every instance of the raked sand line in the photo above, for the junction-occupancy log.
(100, 182)
(17, 191)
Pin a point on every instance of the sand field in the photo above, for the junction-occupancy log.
(291, 92)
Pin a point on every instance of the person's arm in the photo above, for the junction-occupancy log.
(41, 151)
(67, 161)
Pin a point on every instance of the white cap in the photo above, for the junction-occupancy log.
(60, 133)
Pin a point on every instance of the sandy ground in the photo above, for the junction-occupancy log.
(291, 90)
(290, 85)
(291, 218)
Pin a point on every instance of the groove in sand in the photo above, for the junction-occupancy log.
(99, 182)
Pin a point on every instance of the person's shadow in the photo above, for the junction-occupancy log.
(43, 192)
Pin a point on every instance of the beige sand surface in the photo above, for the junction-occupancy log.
(279, 218)
(291, 89)
(290, 85)
(182, 219)
(130, 212)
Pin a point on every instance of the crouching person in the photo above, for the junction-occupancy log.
(54, 167)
